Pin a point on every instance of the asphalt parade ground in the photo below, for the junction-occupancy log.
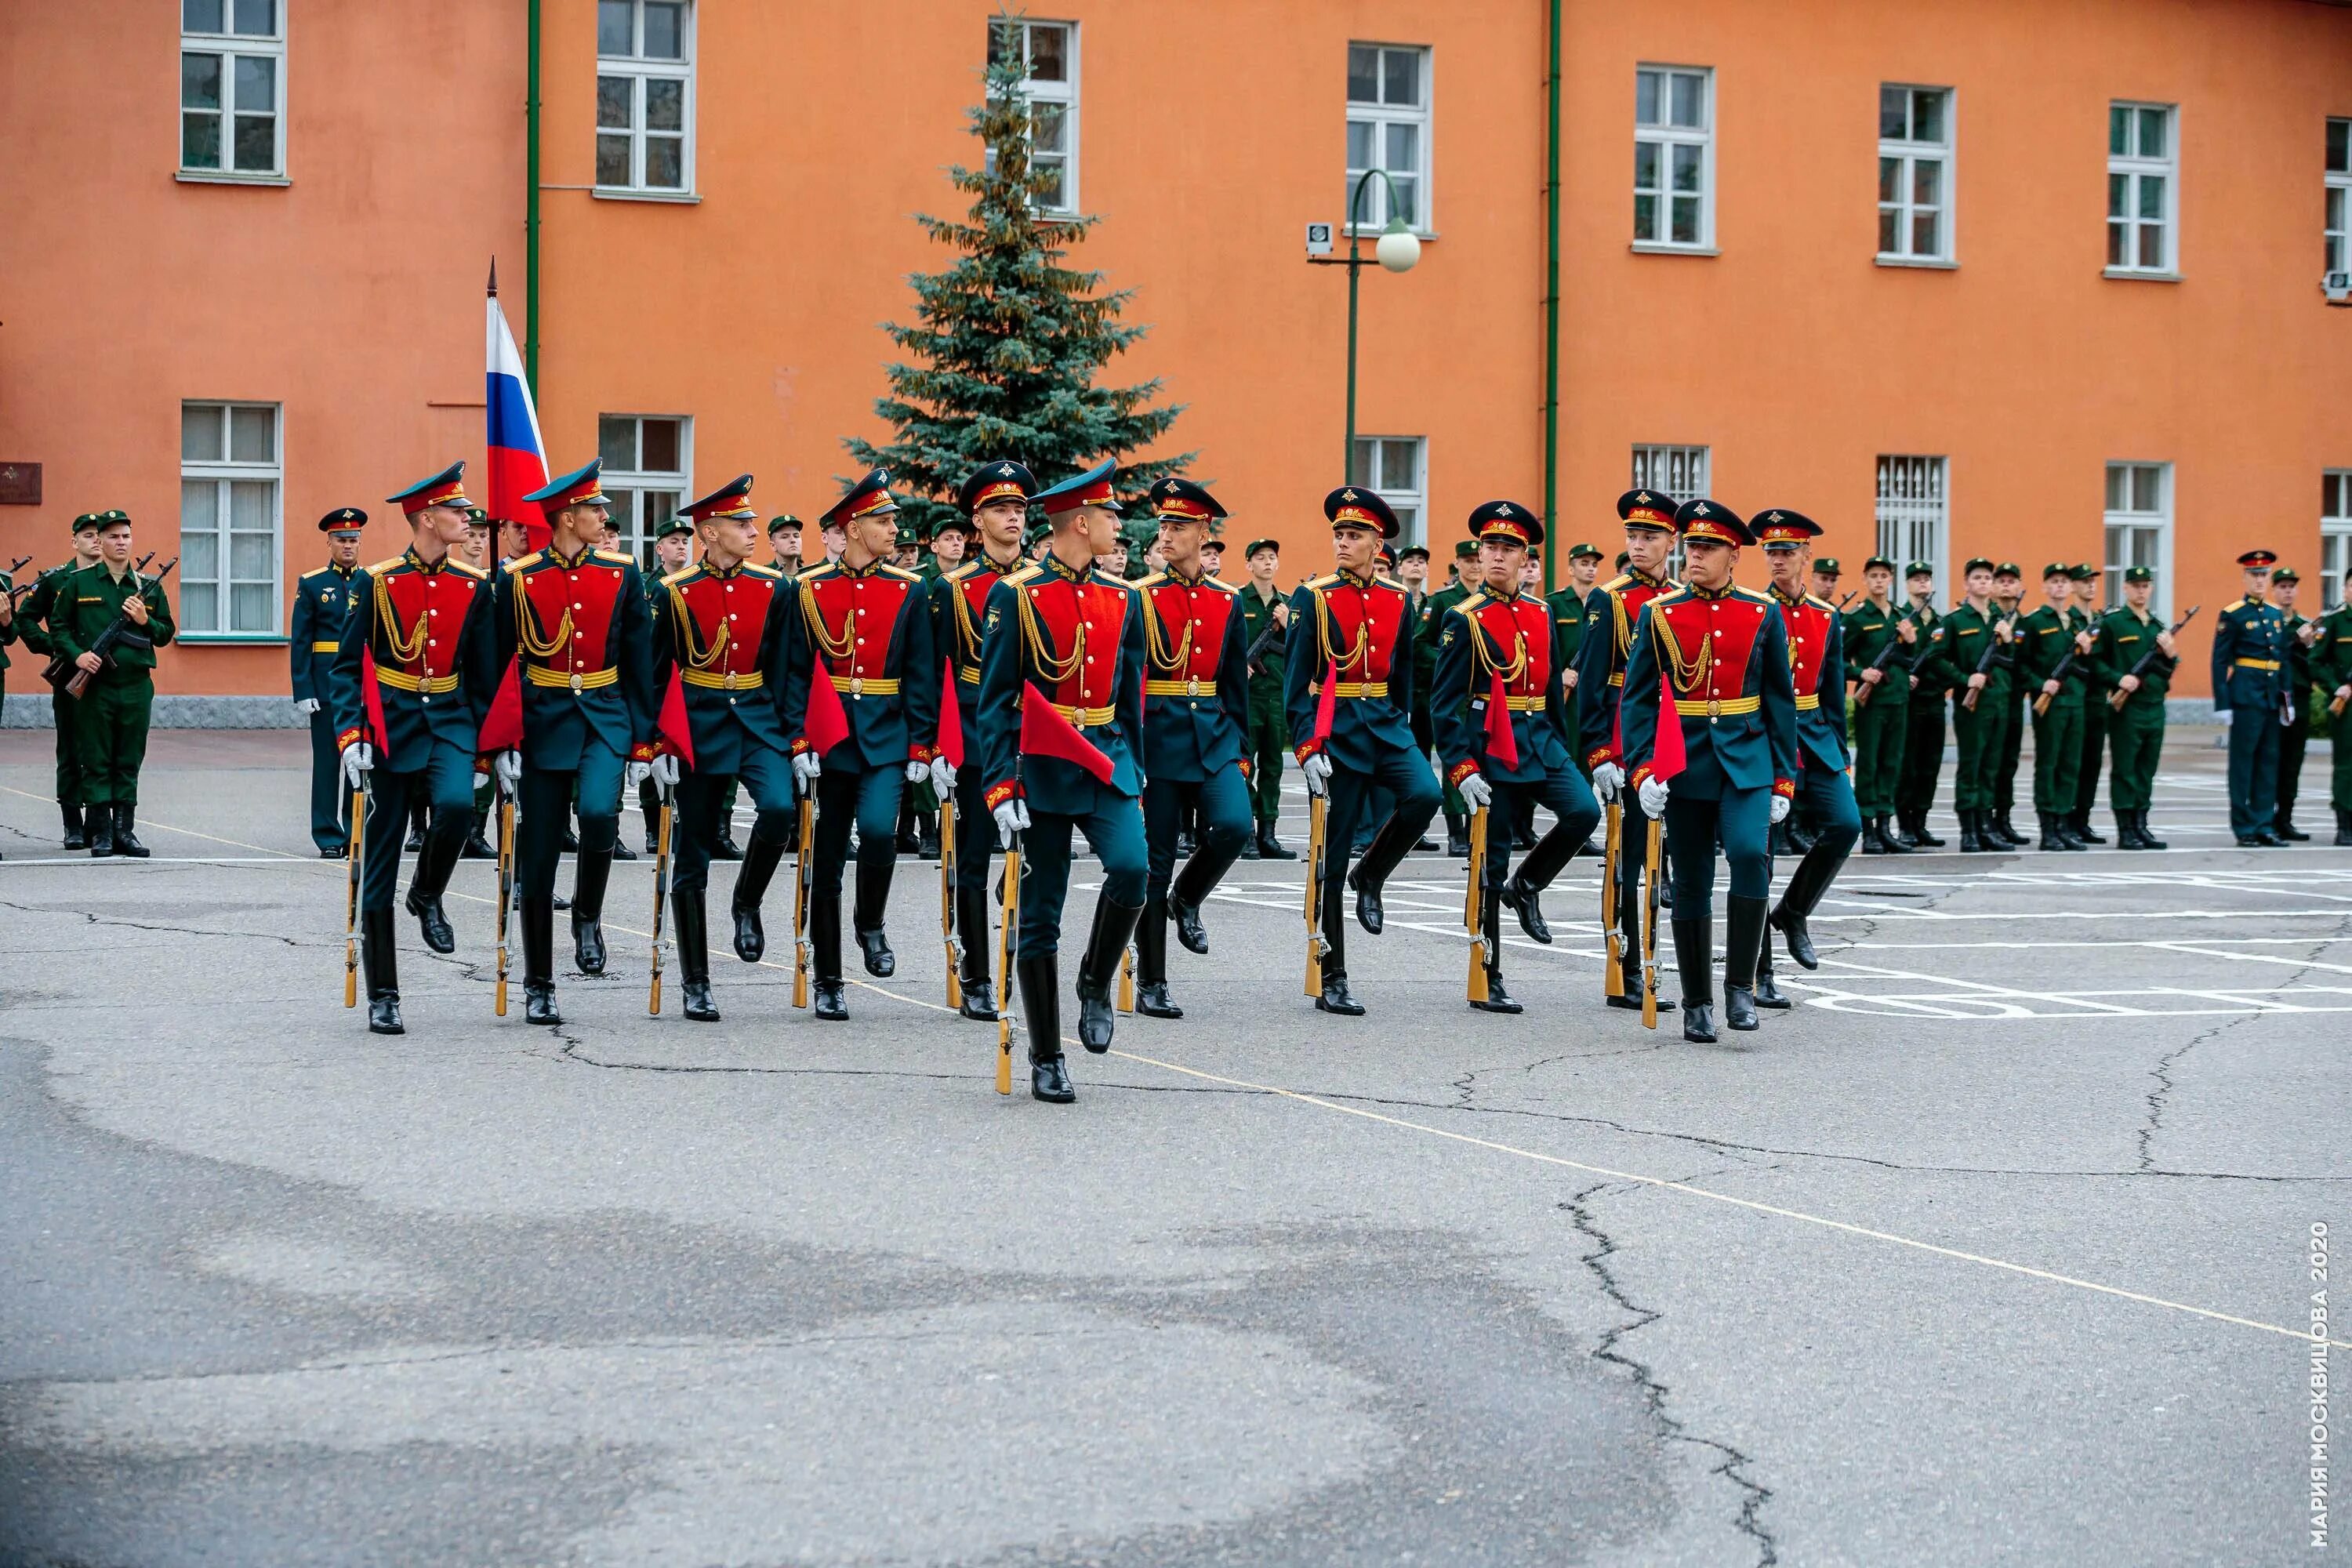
(1998, 1248)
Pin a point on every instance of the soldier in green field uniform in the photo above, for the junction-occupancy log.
(2083, 613)
(1430, 619)
(1265, 614)
(2137, 726)
(1570, 613)
(2046, 637)
(2331, 667)
(1980, 701)
(110, 730)
(1880, 645)
(2009, 596)
(2295, 735)
(33, 619)
(1923, 731)
(8, 635)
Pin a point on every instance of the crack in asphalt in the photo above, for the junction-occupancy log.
(98, 919)
(1655, 1393)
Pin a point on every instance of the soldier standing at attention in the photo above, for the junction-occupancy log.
(2083, 614)
(2249, 677)
(784, 543)
(1978, 726)
(2045, 639)
(1816, 666)
(577, 618)
(1213, 558)
(321, 601)
(1498, 647)
(860, 628)
(1429, 617)
(32, 617)
(1611, 615)
(1826, 572)
(110, 730)
(1261, 607)
(2294, 730)
(1060, 721)
(1722, 652)
(2331, 664)
(1923, 731)
(1881, 717)
(2136, 727)
(2009, 596)
(422, 619)
(1568, 604)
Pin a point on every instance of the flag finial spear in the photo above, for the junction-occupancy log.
(494, 276)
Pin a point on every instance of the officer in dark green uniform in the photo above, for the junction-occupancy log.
(1428, 623)
(1923, 731)
(2249, 677)
(1981, 706)
(2045, 639)
(1880, 643)
(110, 731)
(2135, 725)
(1265, 614)
(2083, 613)
(2331, 667)
(2009, 596)
(2294, 732)
(32, 617)
(322, 600)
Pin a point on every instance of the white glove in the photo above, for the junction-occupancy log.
(1653, 798)
(358, 758)
(635, 774)
(1475, 791)
(1317, 769)
(1011, 817)
(917, 771)
(508, 765)
(943, 777)
(1608, 778)
(806, 767)
(2223, 715)
(1781, 808)
(481, 778)
(665, 771)
(305, 706)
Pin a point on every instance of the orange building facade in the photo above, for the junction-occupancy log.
(2037, 279)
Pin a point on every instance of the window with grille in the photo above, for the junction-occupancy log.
(1914, 515)
(644, 97)
(1047, 53)
(1680, 471)
(2141, 194)
(1392, 465)
(230, 531)
(2334, 536)
(2339, 193)
(1388, 128)
(645, 468)
(232, 87)
(1674, 145)
(2139, 529)
(1915, 173)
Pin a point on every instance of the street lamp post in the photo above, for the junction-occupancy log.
(1397, 250)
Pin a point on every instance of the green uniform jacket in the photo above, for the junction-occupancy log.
(1866, 629)
(2300, 670)
(1933, 672)
(1256, 611)
(1569, 614)
(2331, 655)
(87, 603)
(2125, 637)
(1966, 633)
(2046, 637)
(33, 615)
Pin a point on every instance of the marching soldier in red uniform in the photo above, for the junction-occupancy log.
(1348, 691)
(1496, 647)
(720, 624)
(1710, 667)
(1195, 735)
(421, 624)
(575, 619)
(860, 631)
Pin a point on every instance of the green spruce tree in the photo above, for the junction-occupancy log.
(1008, 342)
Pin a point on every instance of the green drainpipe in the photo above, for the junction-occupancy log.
(531, 210)
(1551, 310)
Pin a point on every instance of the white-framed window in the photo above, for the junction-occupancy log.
(2142, 188)
(233, 88)
(1049, 59)
(230, 552)
(647, 458)
(1396, 465)
(2339, 194)
(1915, 173)
(644, 97)
(1388, 128)
(1914, 517)
(2334, 536)
(2139, 529)
(1680, 471)
(1674, 156)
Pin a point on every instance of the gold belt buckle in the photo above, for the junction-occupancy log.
(731, 680)
(576, 683)
(1193, 686)
(856, 685)
(1714, 709)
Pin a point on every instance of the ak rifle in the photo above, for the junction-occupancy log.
(68, 675)
(2118, 697)
(1887, 655)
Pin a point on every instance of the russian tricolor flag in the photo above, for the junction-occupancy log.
(518, 457)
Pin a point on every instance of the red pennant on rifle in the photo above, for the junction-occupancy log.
(1046, 733)
(1327, 705)
(502, 725)
(1666, 757)
(673, 735)
(1502, 741)
(372, 698)
(825, 726)
(950, 718)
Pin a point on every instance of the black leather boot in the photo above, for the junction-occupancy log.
(971, 929)
(873, 901)
(760, 863)
(928, 847)
(415, 830)
(2067, 839)
(1152, 998)
(1526, 903)
(2342, 830)
(2051, 837)
(1799, 840)
(432, 921)
(74, 838)
(127, 842)
(2007, 830)
(1870, 845)
(1769, 995)
(1743, 920)
(1106, 945)
(2285, 829)
(1270, 847)
(1457, 835)
(1807, 883)
(1971, 841)
(1185, 904)
(1335, 996)
(592, 871)
(1694, 959)
(828, 998)
(2148, 840)
(2127, 830)
(381, 964)
(1776, 840)
(1497, 999)
(1041, 1013)
(725, 848)
(1629, 921)
(1888, 843)
(99, 822)
(1920, 833)
(1369, 912)
(478, 847)
(692, 917)
(1902, 837)
(538, 963)
(1249, 850)
(2079, 824)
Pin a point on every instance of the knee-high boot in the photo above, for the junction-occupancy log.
(692, 919)
(379, 959)
(1695, 960)
(972, 906)
(760, 858)
(539, 962)
(828, 1000)
(1744, 940)
(873, 901)
(1041, 1015)
(1152, 998)
(592, 871)
(1106, 945)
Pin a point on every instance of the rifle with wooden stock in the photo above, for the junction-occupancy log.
(1006, 947)
(2118, 697)
(948, 932)
(1887, 655)
(68, 675)
(803, 878)
(1317, 815)
(1614, 971)
(1474, 907)
(2004, 635)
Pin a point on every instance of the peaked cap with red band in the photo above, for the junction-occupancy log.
(1002, 481)
(446, 487)
(1653, 510)
(2258, 559)
(1092, 488)
(1184, 500)
(1506, 521)
(1781, 527)
(581, 487)
(1706, 521)
(732, 499)
(1354, 506)
(869, 497)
